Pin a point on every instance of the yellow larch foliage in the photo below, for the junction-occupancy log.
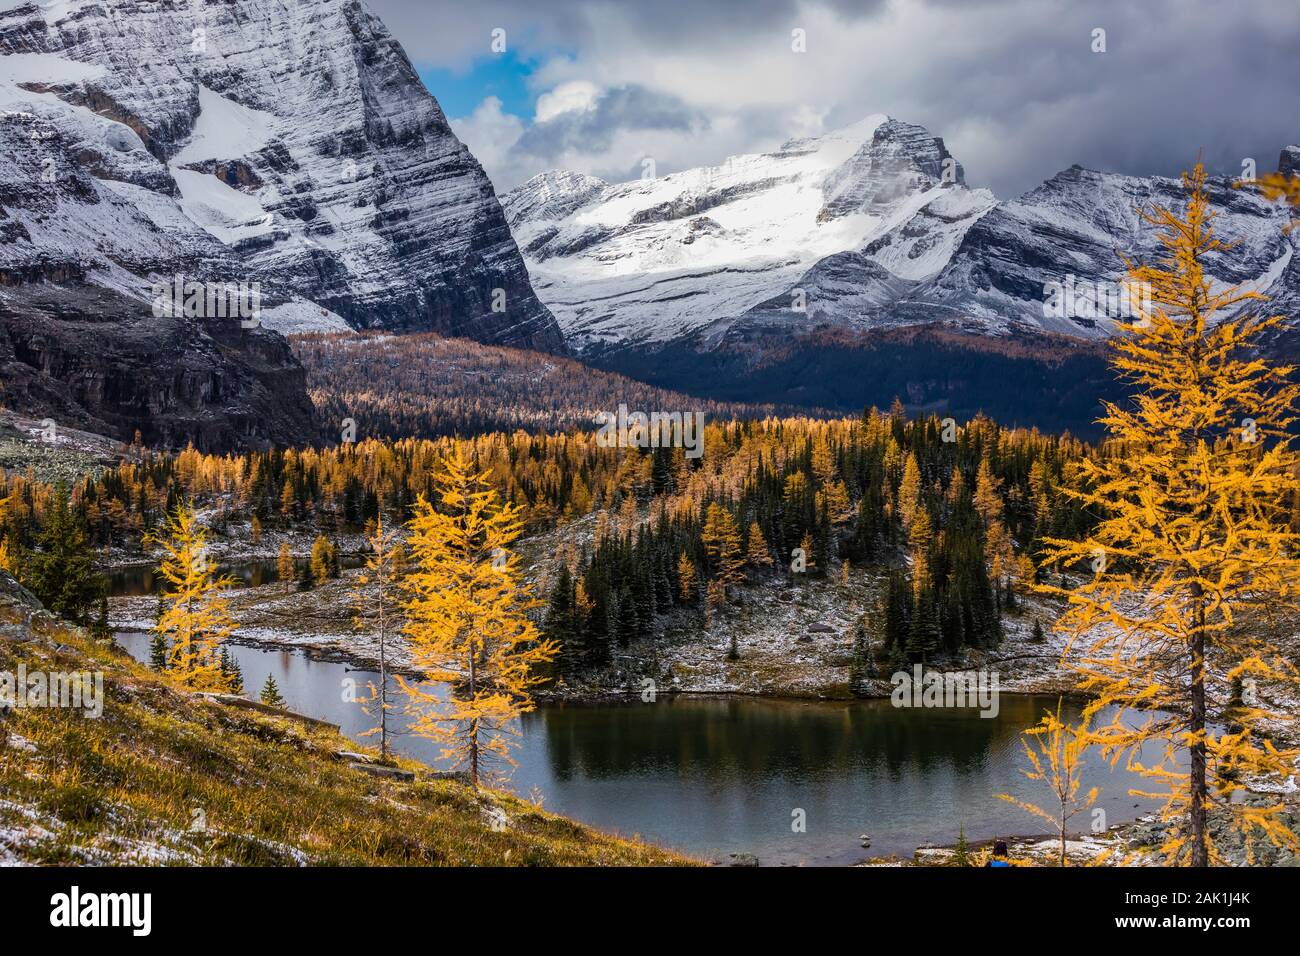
(758, 555)
(1193, 552)
(997, 543)
(467, 624)
(909, 493)
(1056, 758)
(195, 618)
(686, 577)
(920, 541)
(721, 538)
(1278, 185)
(823, 462)
(284, 569)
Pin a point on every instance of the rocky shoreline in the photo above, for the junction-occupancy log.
(783, 656)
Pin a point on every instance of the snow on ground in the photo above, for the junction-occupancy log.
(222, 210)
(1079, 851)
(55, 453)
(18, 68)
(302, 315)
(224, 129)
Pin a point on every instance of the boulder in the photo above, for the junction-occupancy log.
(455, 776)
(376, 770)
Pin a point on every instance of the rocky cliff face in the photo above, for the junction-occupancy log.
(288, 146)
(299, 136)
(82, 355)
(80, 342)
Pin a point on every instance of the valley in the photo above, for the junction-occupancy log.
(320, 327)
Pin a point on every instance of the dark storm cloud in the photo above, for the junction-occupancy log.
(1013, 86)
(445, 31)
(615, 110)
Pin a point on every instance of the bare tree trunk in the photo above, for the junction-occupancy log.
(383, 682)
(1197, 781)
(473, 754)
(473, 728)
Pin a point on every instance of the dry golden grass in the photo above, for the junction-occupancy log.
(125, 788)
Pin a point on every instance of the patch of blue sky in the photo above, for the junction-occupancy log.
(503, 75)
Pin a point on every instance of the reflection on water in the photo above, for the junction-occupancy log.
(144, 579)
(721, 775)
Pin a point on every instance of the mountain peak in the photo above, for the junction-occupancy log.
(852, 136)
(653, 259)
(300, 139)
(246, 143)
(550, 195)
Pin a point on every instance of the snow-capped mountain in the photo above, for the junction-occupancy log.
(868, 227)
(250, 141)
(828, 228)
(1081, 223)
(298, 136)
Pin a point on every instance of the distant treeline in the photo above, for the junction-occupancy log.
(427, 386)
(950, 510)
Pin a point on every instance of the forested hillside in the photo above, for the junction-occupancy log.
(951, 510)
(427, 386)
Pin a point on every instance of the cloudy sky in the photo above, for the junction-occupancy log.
(1014, 87)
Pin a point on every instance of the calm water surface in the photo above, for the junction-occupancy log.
(718, 775)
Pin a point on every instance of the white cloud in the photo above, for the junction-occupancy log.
(1011, 85)
(567, 97)
(489, 133)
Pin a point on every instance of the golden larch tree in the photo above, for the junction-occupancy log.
(909, 493)
(195, 616)
(467, 624)
(1192, 551)
(1056, 758)
(686, 578)
(721, 538)
(997, 542)
(757, 554)
(284, 569)
(823, 462)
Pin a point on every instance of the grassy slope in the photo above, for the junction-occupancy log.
(123, 788)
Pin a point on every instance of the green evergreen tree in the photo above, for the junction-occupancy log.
(559, 624)
(271, 693)
(861, 665)
(230, 671)
(158, 651)
(924, 636)
(61, 571)
(898, 612)
(100, 628)
(961, 854)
